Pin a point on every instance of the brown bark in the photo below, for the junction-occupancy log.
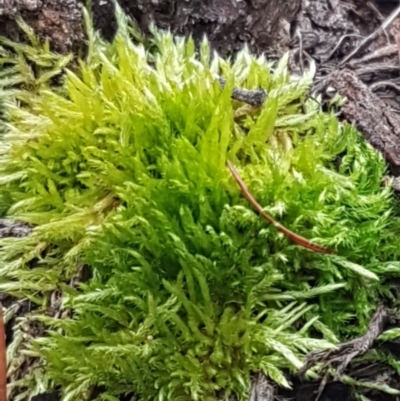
(59, 21)
(379, 125)
(263, 24)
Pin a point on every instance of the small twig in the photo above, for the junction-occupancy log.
(3, 359)
(341, 356)
(377, 13)
(349, 35)
(297, 239)
(383, 84)
(301, 51)
(261, 389)
(375, 68)
(10, 228)
(251, 97)
(379, 16)
(322, 386)
(386, 51)
(373, 35)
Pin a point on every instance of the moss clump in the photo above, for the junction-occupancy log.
(124, 169)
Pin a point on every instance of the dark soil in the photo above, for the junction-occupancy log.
(59, 21)
(47, 397)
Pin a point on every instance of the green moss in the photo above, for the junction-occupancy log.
(124, 169)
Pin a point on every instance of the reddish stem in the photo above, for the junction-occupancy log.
(305, 243)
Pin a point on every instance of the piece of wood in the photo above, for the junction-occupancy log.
(379, 125)
(261, 389)
(9, 228)
(340, 357)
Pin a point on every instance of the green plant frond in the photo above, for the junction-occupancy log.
(122, 168)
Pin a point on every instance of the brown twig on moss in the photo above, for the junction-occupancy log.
(305, 243)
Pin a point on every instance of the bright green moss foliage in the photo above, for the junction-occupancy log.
(124, 169)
